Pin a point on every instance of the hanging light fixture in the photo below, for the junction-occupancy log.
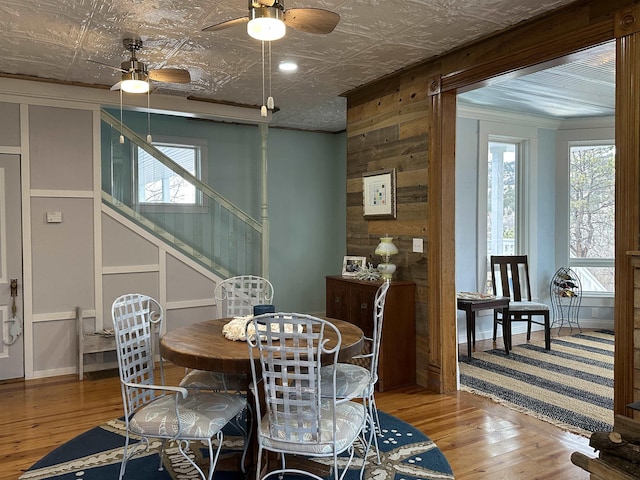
(134, 77)
(266, 24)
(135, 82)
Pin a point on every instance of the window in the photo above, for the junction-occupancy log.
(502, 204)
(591, 215)
(504, 207)
(506, 177)
(157, 184)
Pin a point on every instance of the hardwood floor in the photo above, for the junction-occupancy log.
(481, 439)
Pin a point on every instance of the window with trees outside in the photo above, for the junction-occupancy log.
(502, 205)
(157, 184)
(506, 153)
(591, 215)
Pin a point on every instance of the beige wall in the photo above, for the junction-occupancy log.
(91, 257)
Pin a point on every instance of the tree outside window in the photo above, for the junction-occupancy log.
(158, 184)
(502, 201)
(591, 215)
(501, 196)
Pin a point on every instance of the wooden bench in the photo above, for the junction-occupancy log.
(91, 342)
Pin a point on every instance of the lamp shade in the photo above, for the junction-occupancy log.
(266, 24)
(386, 248)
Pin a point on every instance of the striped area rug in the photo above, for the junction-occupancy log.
(570, 386)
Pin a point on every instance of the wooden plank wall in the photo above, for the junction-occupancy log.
(405, 121)
(388, 128)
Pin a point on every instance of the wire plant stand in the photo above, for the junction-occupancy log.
(566, 294)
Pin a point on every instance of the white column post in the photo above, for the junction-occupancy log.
(264, 128)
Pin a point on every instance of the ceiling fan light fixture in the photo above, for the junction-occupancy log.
(266, 24)
(135, 82)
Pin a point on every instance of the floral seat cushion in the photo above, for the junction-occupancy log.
(350, 418)
(207, 413)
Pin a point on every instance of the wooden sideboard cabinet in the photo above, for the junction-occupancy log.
(352, 300)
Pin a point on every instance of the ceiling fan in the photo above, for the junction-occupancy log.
(136, 76)
(268, 19)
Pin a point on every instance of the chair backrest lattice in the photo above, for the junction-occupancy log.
(136, 320)
(378, 317)
(510, 277)
(238, 295)
(291, 348)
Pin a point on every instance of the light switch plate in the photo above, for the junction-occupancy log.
(417, 245)
(54, 217)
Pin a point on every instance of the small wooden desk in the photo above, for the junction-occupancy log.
(471, 306)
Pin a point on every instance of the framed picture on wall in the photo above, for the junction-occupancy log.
(352, 265)
(379, 194)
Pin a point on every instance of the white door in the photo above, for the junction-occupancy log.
(11, 344)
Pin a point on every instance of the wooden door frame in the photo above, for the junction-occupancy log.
(559, 35)
(627, 216)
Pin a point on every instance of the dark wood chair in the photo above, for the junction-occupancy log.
(510, 278)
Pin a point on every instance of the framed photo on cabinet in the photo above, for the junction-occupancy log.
(379, 194)
(352, 265)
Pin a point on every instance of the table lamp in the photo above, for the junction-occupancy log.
(386, 249)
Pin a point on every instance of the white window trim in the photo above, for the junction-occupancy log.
(526, 178)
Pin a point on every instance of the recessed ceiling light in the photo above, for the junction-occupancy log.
(287, 67)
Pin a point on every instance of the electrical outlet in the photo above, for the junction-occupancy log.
(594, 312)
(418, 245)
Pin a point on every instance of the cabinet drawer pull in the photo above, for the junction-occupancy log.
(364, 306)
(337, 300)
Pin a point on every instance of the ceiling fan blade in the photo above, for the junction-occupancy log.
(170, 75)
(311, 20)
(107, 65)
(227, 24)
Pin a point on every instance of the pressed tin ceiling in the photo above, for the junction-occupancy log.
(54, 39)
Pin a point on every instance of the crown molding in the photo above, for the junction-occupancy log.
(503, 116)
(44, 93)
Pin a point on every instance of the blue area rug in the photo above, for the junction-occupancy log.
(406, 454)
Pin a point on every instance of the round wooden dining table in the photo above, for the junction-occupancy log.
(202, 346)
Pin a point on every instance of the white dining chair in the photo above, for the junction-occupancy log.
(153, 409)
(358, 378)
(298, 418)
(235, 297)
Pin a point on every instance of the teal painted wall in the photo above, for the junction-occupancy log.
(306, 196)
(307, 208)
